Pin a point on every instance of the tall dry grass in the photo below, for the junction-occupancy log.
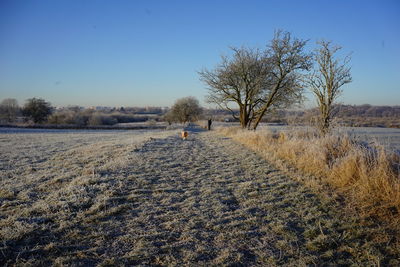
(368, 177)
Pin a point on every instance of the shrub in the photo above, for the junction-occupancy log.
(37, 109)
(69, 117)
(100, 119)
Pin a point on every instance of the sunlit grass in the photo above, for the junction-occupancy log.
(368, 176)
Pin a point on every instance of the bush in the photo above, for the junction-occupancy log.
(37, 109)
(69, 117)
(100, 119)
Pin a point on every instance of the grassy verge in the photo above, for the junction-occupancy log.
(367, 177)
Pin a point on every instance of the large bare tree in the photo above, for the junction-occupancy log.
(325, 82)
(284, 82)
(238, 80)
(259, 81)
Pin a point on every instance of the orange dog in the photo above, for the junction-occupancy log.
(184, 135)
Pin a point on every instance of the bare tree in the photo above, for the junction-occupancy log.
(326, 81)
(239, 80)
(186, 109)
(259, 81)
(284, 83)
(9, 109)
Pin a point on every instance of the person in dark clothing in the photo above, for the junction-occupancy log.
(209, 124)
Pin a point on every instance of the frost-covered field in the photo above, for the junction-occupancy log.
(84, 198)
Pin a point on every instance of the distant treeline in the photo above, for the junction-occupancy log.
(346, 115)
(38, 111)
(88, 117)
(367, 111)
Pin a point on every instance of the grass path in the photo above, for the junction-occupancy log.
(202, 201)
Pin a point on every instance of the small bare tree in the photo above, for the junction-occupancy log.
(186, 109)
(9, 109)
(326, 81)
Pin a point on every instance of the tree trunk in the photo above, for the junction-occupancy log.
(244, 120)
(259, 118)
(325, 125)
(267, 105)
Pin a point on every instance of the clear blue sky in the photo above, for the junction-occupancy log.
(147, 53)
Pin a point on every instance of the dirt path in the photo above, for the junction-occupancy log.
(202, 201)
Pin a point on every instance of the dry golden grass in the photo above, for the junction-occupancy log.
(367, 176)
